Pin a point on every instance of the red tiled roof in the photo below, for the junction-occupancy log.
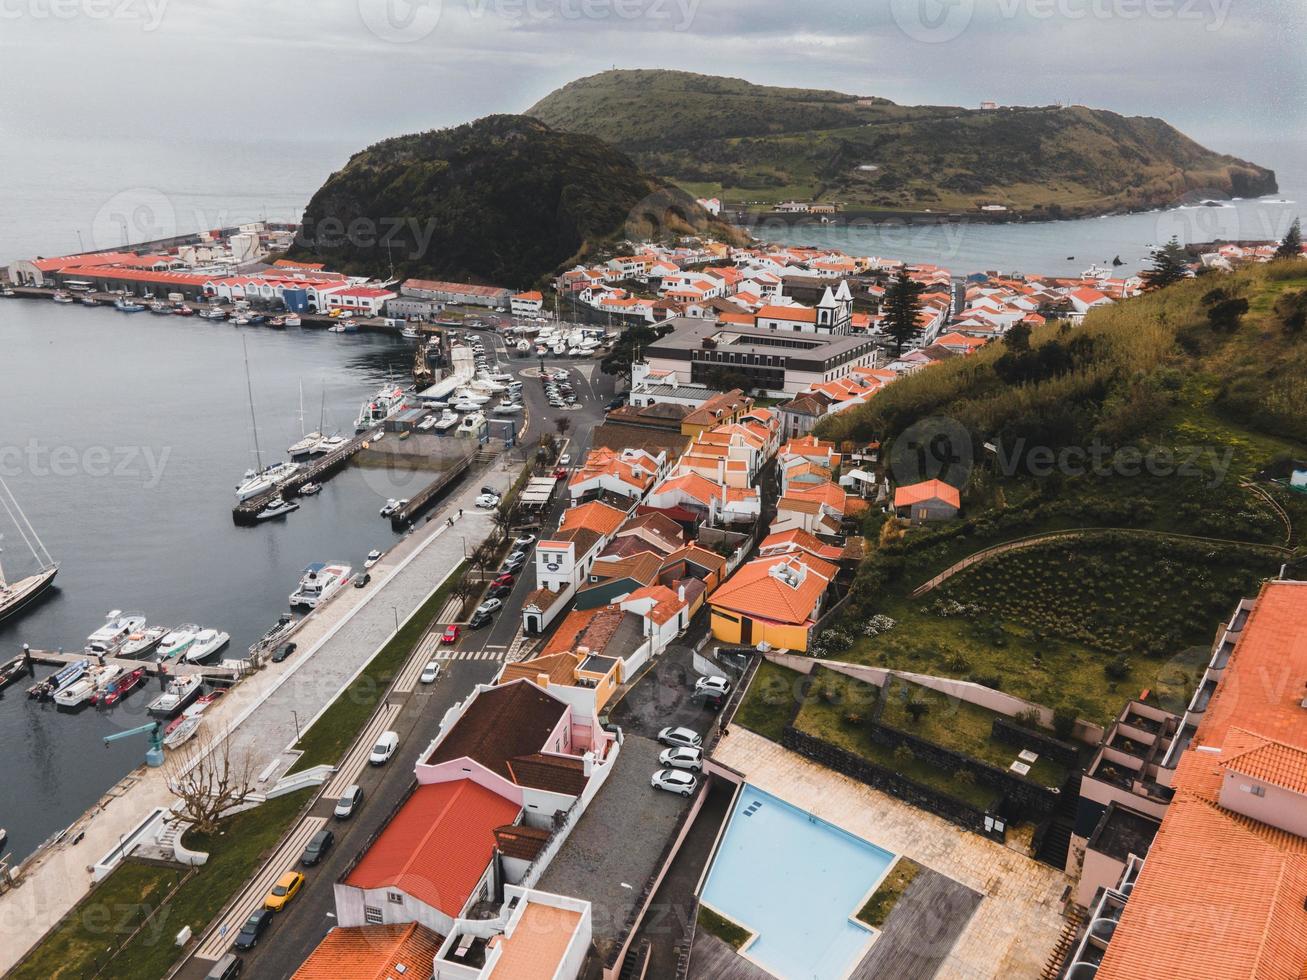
(373, 953)
(438, 845)
(917, 493)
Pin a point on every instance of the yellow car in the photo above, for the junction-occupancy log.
(286, 888)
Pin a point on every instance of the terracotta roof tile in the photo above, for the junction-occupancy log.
(373, 953)
(916, 493)
(500, 724)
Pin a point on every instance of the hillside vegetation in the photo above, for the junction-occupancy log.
(505, 199)
(1153, 555)
(751, 143)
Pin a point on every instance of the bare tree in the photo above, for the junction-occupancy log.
(209, 780)
(562, 424)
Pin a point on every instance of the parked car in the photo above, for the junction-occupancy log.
(286, 888)
(384, 749)
(513, 563)
(615, 403)
(284, 651)
(681, 757)
(712, 685)
(479, 619)
(491, 491)
(487, 500)
(505, 579)
(565, 459)
(318, 846)
(674, 781)
(349, 802)
(490, 606)
(715, 702)
(362, 579)
(560, 474)
(431, 672)
(499, 591)
(253, 927)
(680, 736)
(451, 634)
(227, 968)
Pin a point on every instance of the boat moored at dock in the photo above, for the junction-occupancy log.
(109, 638)
(117, 689)
(320, 581)
(143, 641)
(207, 643)
(46, 689)
(177, 696)
(176, 643)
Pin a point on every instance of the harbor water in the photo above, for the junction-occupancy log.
(123, 436)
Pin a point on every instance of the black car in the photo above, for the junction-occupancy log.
(362, 579)
(715, 702)
(478, 620)
(615, 403)
(317, 848)
(255, 926)
(498, 591)
(283, 651)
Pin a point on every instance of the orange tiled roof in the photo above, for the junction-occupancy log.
(373, 953)
(538, 943)
(438, 845)
(801, 539)
(666, 602)
(755, 591)
(916, 493)
(798, 314)
(1273, 762)
(595, 516)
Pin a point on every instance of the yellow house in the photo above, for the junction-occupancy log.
(776, 600)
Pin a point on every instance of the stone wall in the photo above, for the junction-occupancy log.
(1063, 753)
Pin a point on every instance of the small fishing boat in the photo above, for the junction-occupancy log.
(124, 305)
(257, 319)
(68, 674)
(277, 507)
(176, 643)
(293, 320)
(141, 642)
(207, 643)
(183, 310)
(277, 323)
(7, 292)
(184, 731)
(62, 297)
(177, 696)
(86, 686)
(90, 301)
(309, 489)
(11, 670)
(116, 690)
(275, 635)
(410, 333)
(163, 309)
(374, 556)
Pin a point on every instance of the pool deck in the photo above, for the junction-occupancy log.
(1018, 920)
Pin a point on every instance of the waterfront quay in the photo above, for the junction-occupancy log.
(260, 719)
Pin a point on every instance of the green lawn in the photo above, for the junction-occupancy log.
(885, 897)
(960, 726)
(769, 703)
(338, 726)
(99, 926)
(724, 929)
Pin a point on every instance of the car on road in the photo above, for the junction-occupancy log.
(560, 474)
(362, 579)
(254, 927)
(680, 736)
(681, 757)
(286, 888)
(318, 846)
(499, 591)
(451, 634)
(490, 606)
(565, 459)
(431, 672)
(488, 501)
(712, 685)
(384, 749)
(513, 563)
(615, 403)
(674, 781)
(284, 651)
(505, 579)
(524, 541)
(349, 802)
(227, 968)
(479, 619)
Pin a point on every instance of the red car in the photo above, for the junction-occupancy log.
(505, 579)
(451, 634)
(560, 474)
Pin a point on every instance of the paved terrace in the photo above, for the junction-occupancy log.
(261, 712)
(1018, 921)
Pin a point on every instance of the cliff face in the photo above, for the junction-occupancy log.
(754, 142)
(505, 199)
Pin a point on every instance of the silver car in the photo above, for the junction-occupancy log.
(681, 757)
(680, 737)
(674, 781)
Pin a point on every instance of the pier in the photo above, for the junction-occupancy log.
(152, 667)
(245, 513)
(407, 515)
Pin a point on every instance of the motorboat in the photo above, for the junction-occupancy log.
(117, 689)
(93, 680)
(61, 297)
(184, 730)
(277, 507)
(448, 420)
(161, 309)
(410, 333)
(241, 321)
(392, 506)
(90, 301)
(466, 406)
(472, 423)
(207, 643)
(374, 556)
(309, 489)
(107, 640)
(272, 637)
(177, 642)
(177, 696)
(124, 305)
(293, 320)
(427, 424)
(183, 310)
(142, 641)
(507, 408)
(258, 482)
(319, 582)
(329, 445)
(277, 323)
(46, 689)
(385, 403)
(472, 395)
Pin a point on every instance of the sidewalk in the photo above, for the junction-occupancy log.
(262, 713)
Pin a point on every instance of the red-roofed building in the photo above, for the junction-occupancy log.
(527, 304)
(930, 500)
(373, 953)
(775, 600)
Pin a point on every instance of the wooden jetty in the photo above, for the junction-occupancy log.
(245, 512)
(407, 515)
(152, 667)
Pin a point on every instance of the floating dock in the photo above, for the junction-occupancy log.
(152, 667)
(245, 513)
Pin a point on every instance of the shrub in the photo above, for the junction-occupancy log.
(878, 624)
(1029, 718)
(903, 755)
(1064, 722)
(965, 777)
(1118, 669)
(917, 709)
(835, 639)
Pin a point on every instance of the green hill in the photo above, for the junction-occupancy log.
(1137, 557)
(753, 143)
(505, 199)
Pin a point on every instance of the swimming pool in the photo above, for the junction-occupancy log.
(795, 880)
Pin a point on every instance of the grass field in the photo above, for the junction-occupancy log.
(885, 897)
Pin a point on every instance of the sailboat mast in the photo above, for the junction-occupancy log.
(254, 424)
(26, 530)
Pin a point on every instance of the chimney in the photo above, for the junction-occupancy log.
(588, 761)
(542, 680)
(680, 593)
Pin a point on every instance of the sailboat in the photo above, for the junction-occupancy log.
(17, 595)
(308, 440)
(263, 478)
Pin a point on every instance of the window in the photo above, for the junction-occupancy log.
(395, 898)
(372, 916)
(1253, 789)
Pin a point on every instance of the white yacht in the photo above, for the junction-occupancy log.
(374, 556)
(308, 440)
(448, 420)
(95, 679)
(472, 423)
(108, 638)
(207, 642)
(381, 406)
(179, 693)
(257, 482)
(329, 445)
(142, 641)
(320, 580)
(176, 643)
(277, 507)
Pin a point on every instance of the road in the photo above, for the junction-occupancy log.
(297, 930)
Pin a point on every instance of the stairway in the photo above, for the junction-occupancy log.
(1053, 966)
(1057, 841)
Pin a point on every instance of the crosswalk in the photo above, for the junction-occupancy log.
(486, 654)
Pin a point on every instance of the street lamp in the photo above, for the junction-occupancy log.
(294, 714)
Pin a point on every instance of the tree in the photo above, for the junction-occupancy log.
(1017, 337)
(208, 781)
(902, 306)
(562, 424)
(1291, 246)
(627, 350)
(1170, 265)
(1224, 311)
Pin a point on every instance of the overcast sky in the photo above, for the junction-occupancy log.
(1225, 71)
